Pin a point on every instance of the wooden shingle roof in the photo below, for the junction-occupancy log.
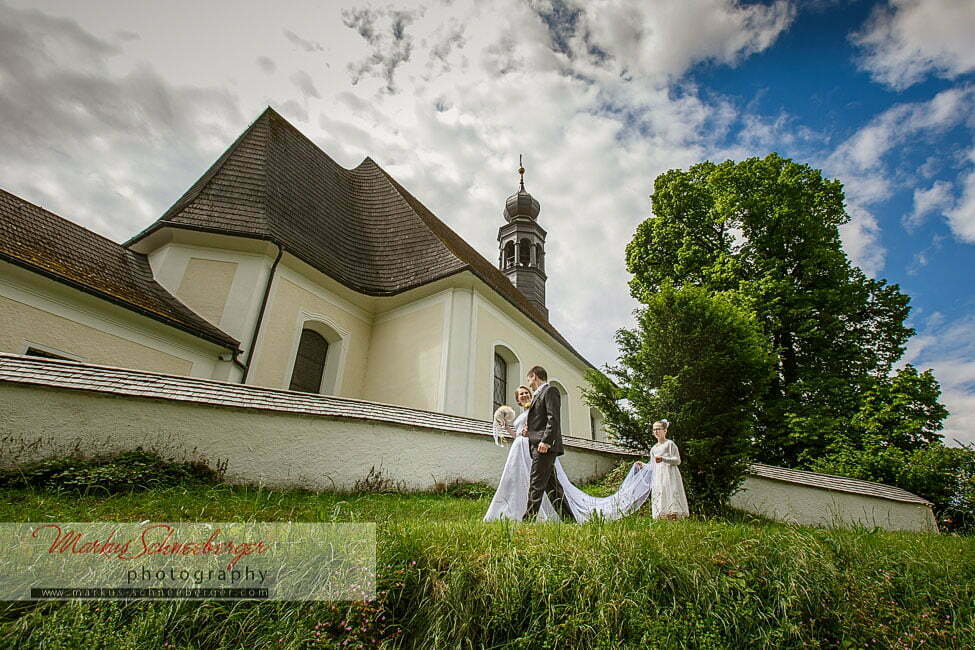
(831, 482)
(359, 226)
(43, 242)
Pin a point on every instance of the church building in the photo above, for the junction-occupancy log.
(303, 324)
(280, 268)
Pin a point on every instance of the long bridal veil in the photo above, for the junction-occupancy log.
(632, 493)
(511, 498)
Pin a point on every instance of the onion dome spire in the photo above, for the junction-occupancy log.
(521, 204)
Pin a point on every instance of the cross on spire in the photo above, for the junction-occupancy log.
(521, 170)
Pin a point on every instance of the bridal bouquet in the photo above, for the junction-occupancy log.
(504, 415)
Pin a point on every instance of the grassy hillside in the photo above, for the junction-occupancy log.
(449, 580)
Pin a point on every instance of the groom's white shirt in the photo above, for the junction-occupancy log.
(539, 389)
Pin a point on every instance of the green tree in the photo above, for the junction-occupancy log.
(945, 476)
(700, 361)
(894, 439)
(903, 409)
(768, 230)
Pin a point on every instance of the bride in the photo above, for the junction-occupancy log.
(511, 498)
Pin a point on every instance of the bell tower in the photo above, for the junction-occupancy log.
(521, 245)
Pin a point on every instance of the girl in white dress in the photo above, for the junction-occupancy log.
(511, 498)
(667, 500)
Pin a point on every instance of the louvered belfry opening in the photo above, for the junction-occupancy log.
(309, 362)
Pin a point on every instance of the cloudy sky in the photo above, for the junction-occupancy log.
(111, 109)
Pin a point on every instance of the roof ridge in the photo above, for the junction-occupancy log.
(839, 476)
(409, 198)
(274, 114)
(204, 181)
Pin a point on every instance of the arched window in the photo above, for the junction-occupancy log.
(500, 381)
(309, 362)
(505, 375)
(564, 423)
(540, 257)
(525, 253)
(318, 355)
(509, 255)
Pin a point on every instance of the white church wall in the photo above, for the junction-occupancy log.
(813, 506)
(528, 342)
(430, 348)
(284, 438)
(39, 312)
(218, 276)
(273, 448)
(406, 354)
(295, 300)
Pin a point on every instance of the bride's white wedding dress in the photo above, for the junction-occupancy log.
(511, 498)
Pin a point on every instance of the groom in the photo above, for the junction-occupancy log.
(545, 444)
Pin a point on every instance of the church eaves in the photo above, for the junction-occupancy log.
(45, 243)
(358, 226)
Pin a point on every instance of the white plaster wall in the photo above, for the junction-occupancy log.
(491, 325)
(811, 506)
(272, 448)
(407, 362)
(295, 299)
(286, 449)
(41, 312)
(172, 267)
(430, 348)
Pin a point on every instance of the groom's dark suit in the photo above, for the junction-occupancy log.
(544, 425)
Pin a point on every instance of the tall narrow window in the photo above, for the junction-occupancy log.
(500, 380)
(309, 362)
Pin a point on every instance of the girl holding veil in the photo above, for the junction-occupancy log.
(669, 500)
(511, 498)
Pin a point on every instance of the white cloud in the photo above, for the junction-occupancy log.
(304, 83)
(663, 39)
(100, 146)
(587, 94)
(861, 240)
(961, 217)
(948, 349)
(866, 149)
(910, 39)
(923, 257)
(861, 162)
(928, 201)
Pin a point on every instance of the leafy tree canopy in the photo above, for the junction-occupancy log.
(767, 229)
(700, 361)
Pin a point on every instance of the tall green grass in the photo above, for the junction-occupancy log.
(448, 580)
